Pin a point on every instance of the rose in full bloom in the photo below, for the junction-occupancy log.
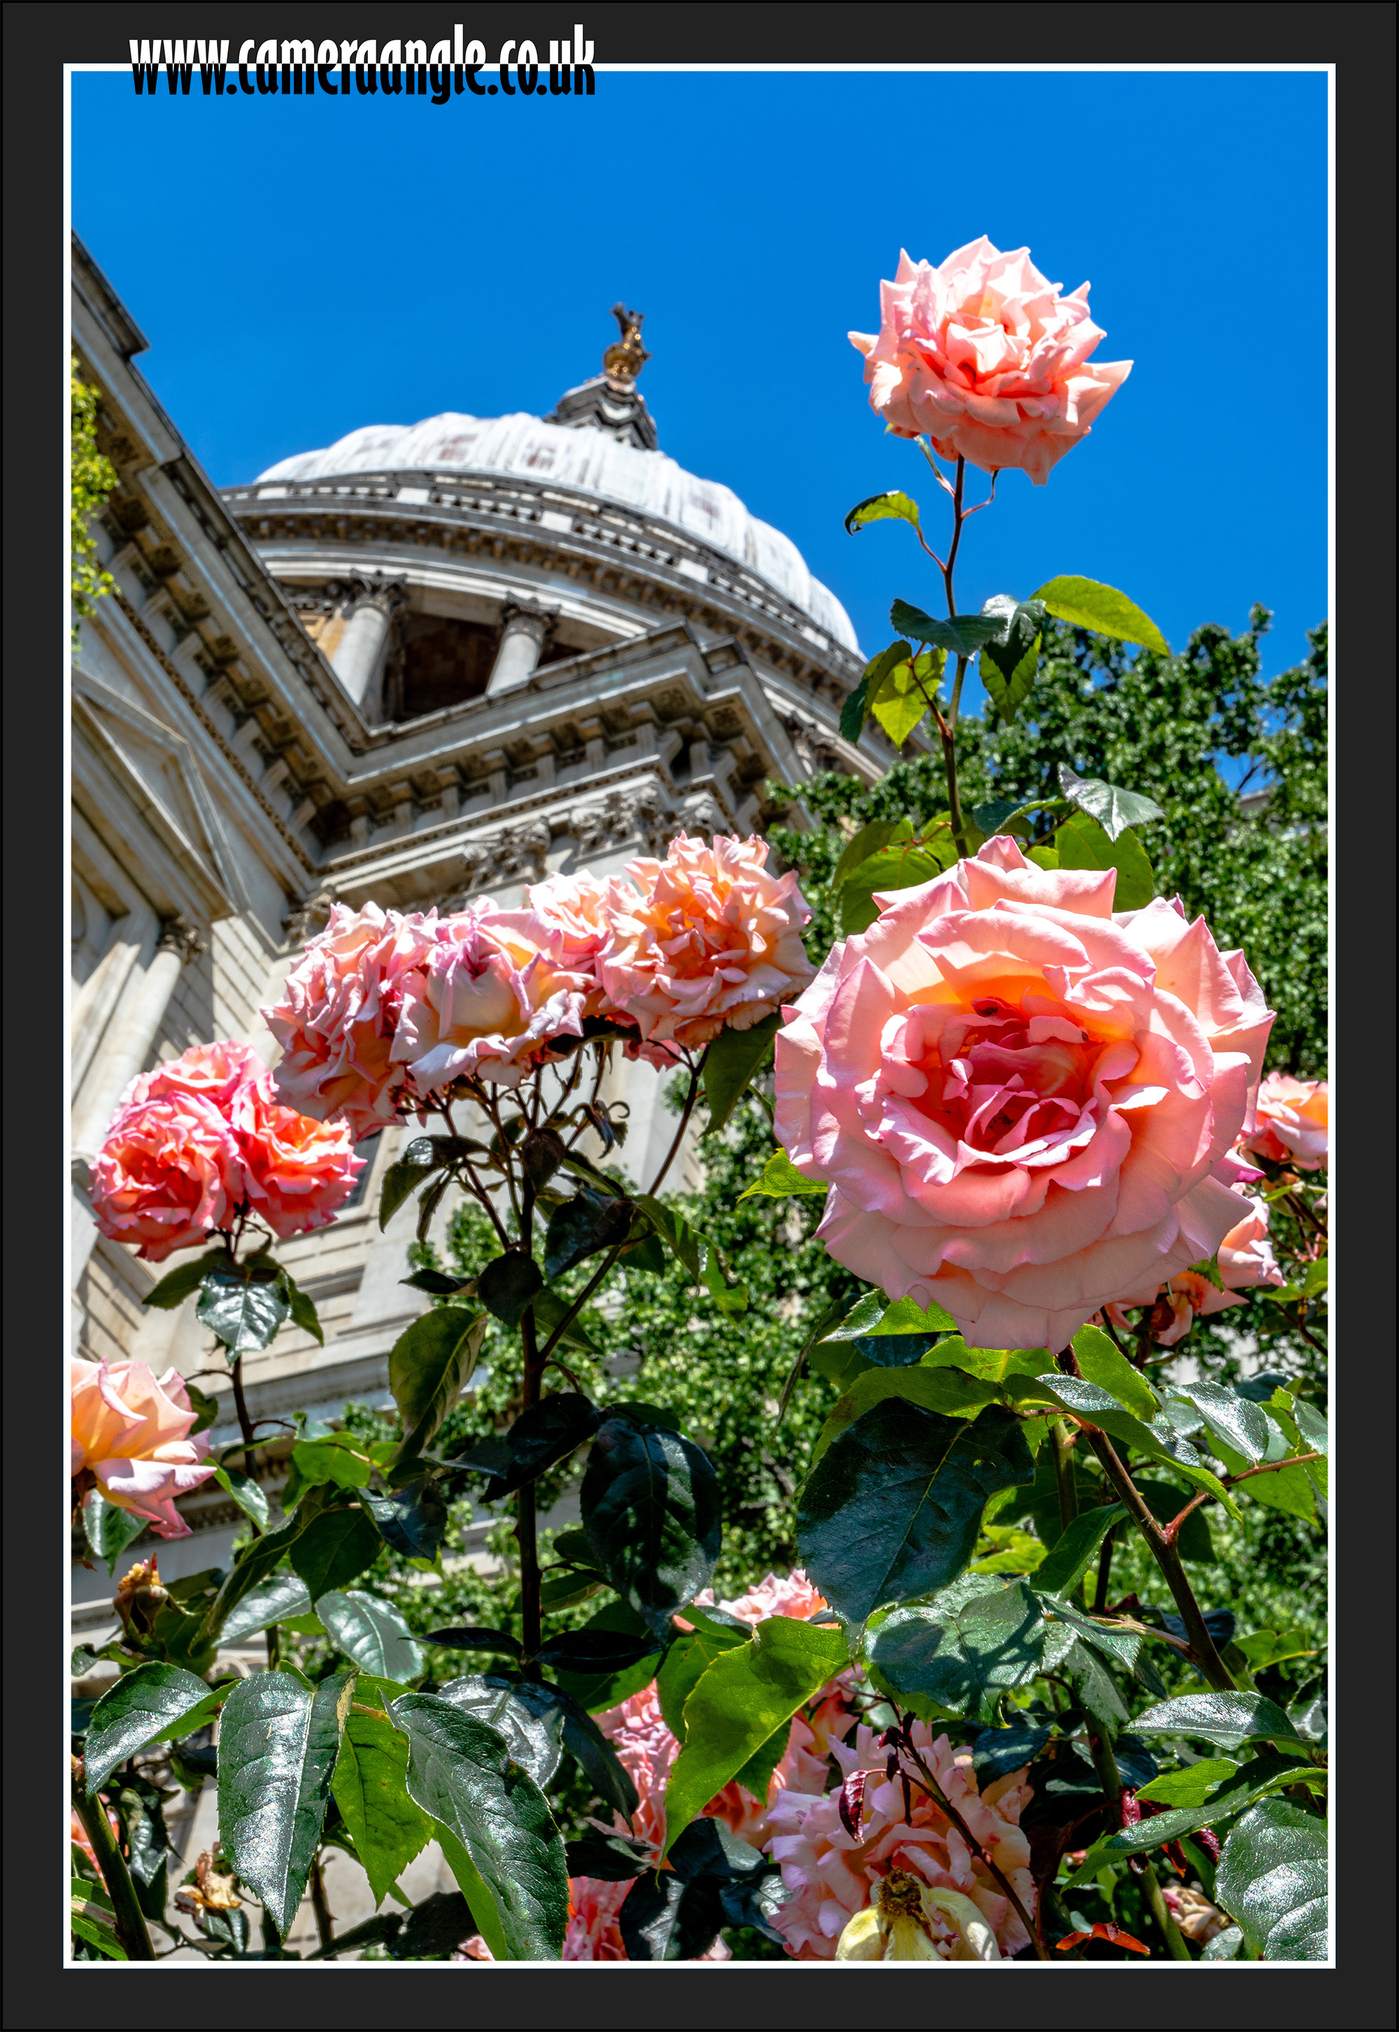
(987, 359)
(1025, 1104)
(706, 937)
(1293, 1122)
(130, 1434)
(298, 1172)
(339, 1011)
(832, 1874)
(169, 1171)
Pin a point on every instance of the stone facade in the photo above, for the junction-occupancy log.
(424, 665)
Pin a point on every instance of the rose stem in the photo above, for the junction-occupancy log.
(1064, 1472)
(1105, 1764)
(320, 1905)
(128, 1918)
(526, 1533)
(245, 1426)
(931, 1786)
(1100, 1590)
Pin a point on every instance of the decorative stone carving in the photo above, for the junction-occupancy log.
(816, 751)
(621, 818)
(311, 915)
(701, 816)
(185, 940)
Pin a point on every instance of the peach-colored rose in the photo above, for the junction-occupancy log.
(1245, 1257)
(496, 989)
(299, 1172)
(987, 359)
(168, 1173)
(707, 937)
(338, 1013)
(211, 1072)
(130, 1432)
(1293, 1122)
(1024, 1103)
(832, 1872)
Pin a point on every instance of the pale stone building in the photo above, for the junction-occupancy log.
(428, 662)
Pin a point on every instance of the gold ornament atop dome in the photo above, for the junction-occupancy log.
(625, 360)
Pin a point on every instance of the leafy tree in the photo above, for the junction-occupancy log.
(93, 477)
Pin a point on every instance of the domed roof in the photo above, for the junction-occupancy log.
(648, 482)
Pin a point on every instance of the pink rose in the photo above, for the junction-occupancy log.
(988, 360)
(1293, 1122)
(339, 1009)
(832, 1872)
(130, 1432)
(1245, 1257)
(707, 937)
(1024, 1103)
(169, 1171)
(210, 1072)
(299, 1172)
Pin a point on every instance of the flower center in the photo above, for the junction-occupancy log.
(1002, 1081)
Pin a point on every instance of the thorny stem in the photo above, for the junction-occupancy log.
(931, 1786)
(129, 1922)
(1295, 1460)
(1105, 1764)
(320, 1905)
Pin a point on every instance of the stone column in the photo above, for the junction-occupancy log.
(121, 1054)
(522, 640)
(360, 649)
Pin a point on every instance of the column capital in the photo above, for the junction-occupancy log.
(179, 936)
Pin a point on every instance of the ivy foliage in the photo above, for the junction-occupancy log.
(92, 479)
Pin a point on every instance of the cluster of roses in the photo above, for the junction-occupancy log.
(829, 1871)
(385, 1010)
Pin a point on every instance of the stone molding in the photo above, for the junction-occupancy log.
(179, 936)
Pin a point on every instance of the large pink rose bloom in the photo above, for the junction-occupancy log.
(706, 937)
(987, 359)
(299, 1172)
(169, 1171)
(130, 1431)
(338, 1013)
(1294, 1119)
(1025, 1104)
(831, 1873)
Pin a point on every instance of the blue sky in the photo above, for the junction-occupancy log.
(303, 267)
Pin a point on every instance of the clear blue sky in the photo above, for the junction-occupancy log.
(303, 267)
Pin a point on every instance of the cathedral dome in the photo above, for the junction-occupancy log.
(646, 482)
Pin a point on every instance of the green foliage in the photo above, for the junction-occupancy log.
(91, 479)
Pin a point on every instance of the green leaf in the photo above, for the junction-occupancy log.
(278, 1745)
(429, 1367)
(1288, 1490)
(731, 1299)
(1010, 658)
(1114, 809)
(1273, 1647)
(335, 1548)
(595, 1692)
(882, 508)
(855, 710)
(413, 1520)
(904, 865)
(401, 1180)
(1252, 1782)
(178, 1285)
(82, 1922)
(461, 1772)
(1192, 1785)
(257, 1561)
(1241, 1425)
(371, 1633)
(1082, 843)
(440, 1287)
(531, 1728)
(963, 635)
(507, 1284)
(743, 1696)
(780, 1180)
(1085, 603)
(543, 1436)
(1061, 1570)
(206, 1406)
(905, 694)
(1085, 1400)
(868, 840)
(246, 1493)
(1272, 1878)
(1311, 1425)
(153, 1704)
(651, 1509)
(992, 1365)
(1227, 1719)
(893, 1507)
(109, 1530)
(338, 1459)
(278, 1600)
(580, 1227)
(974, 1641)
(685, 1664)
(387, 1828)
(1125, 1648)
(1100, 1362)
(303, 1311)
(732, 1060)
(550, 1311)
(244, 1304)
(944, 1390)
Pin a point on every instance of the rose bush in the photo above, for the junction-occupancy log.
(1025, 1105)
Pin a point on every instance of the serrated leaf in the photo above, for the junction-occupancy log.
(943, 1390)
(1082, 843)
(651, 1509)
(1113, 808)
(1251, 1783)
(153, 1704)
(882, 508)
(1101, 1363)
(532, 1729)
(461, 1772)
(868, 840)
(278, 1746)
(974, 1641)
(1064, 1566)
(1228, 1719)
(178, 1285)
(1242, 1426)
(963, 635)
(543, 1436)
(1086, 603)
(371, 1633)
(246, 1493)
(109, 1529)
(904, 865)
(429, 1367)
(595, 1692)
(905, 694)
(780, 1179)
(413, 1520)
(855, 711)
(1085, 1400)
(242, 1307)
(387, 1827)
(1272, 1878)
(733, 1059)
(335, 1548)
(1192, 1785)
(274, 1601)
(1010, 658)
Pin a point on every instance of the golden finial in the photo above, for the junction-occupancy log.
(625, 360)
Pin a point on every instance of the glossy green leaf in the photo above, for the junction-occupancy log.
(108, 1529)
(532, 1729)
(413, 1520)
(178, 1285)
(686, 1662)
(989, 1365)
(543, 1436)
(1288, 1490)
(903, 865)
(1114, 809)
(1086, 1400)
(855, 710)
(651, 1509)
(371, 1633)
(780, 1180)
(581, 1227)
(868, 840)
(429, 1367)
(388, 1829)
(906, 693)
(460, 1771)
(732, 1060)
(246, 1493)
(974, 1641)
(1125, 1648)
(506, 1286)
(944, 1390)
(1082, 843)
(1010, 658)
(243, 1304)
(1085, 603)
(597, 1691)
(278, 1746)
(963, 635)
(1227, 1719)
(334, 1549)
(303, 1310)
(338, 1459)
(153, 1704)
(882, 508)
(1230, 1416)
(1100, 1362)
(1272, 1878)
(86, 1921)
(402, 1179)
(742, 1697)
(1061, 1569)
(894, 1505)
(278, 1600)
(610, 1858)
(550, 1312)
(1190, 1786)
(1252, 1782)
